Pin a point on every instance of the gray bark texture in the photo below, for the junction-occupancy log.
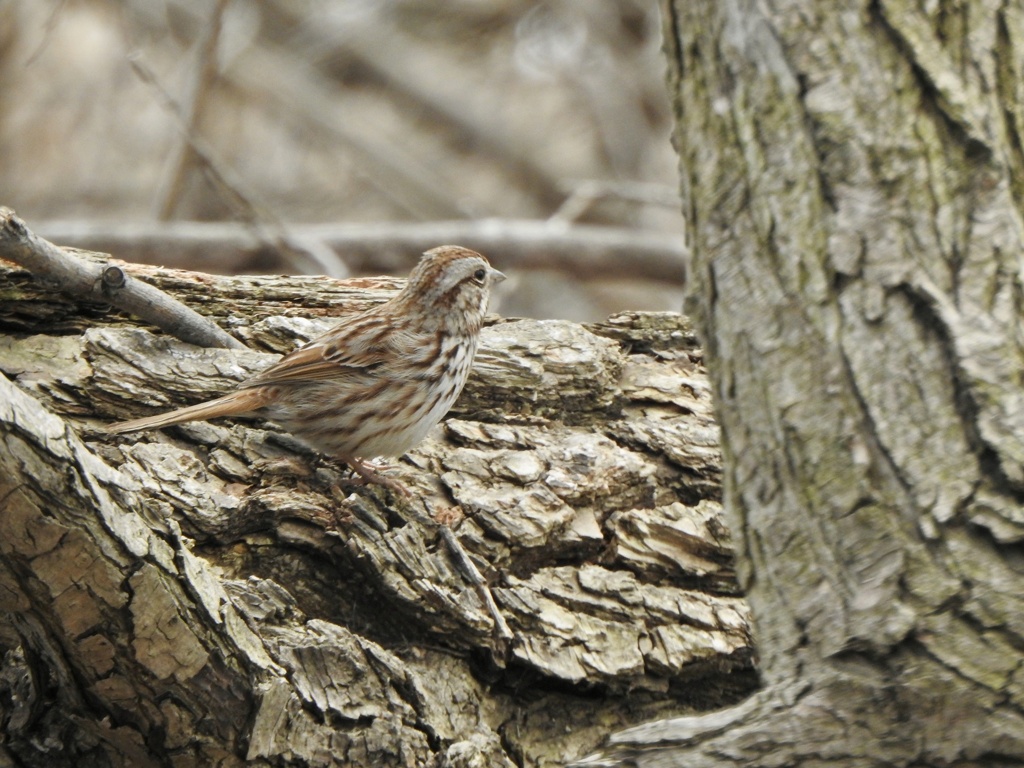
(213, 594)
(853, 178)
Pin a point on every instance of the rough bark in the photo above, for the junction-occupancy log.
(215, 594)
(852, 181)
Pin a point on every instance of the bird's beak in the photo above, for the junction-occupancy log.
(497, 276)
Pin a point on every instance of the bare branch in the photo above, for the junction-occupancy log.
(586, 251)
(397, 58)
(258, 216)
(404, 175)
(51, 24)
(588, 192)
(184, 157)
(470, 571)
(108, 284)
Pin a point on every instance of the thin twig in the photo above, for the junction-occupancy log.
(204, 69)
(470, 571)
(48, 28)
(306, 94)
(398, 58)
(105, 283)
(588, 192)
(266, 227)
(386, 159)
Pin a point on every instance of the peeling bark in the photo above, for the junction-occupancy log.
(214, 593)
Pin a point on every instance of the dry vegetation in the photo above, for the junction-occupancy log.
(122, 122)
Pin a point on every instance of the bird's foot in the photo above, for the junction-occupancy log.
(371, 473)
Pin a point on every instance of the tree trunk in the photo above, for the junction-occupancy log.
(214, 594)
(853, 181)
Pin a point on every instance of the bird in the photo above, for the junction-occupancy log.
(376, 383)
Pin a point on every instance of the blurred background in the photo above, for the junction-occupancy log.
(344, 137)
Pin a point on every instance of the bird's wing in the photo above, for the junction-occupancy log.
(351, 350)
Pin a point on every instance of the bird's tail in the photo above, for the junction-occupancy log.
(233, 404)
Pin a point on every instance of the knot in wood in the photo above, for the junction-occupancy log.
(113, 278)
(15, 224)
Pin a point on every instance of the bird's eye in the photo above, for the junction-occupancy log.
(480, 274)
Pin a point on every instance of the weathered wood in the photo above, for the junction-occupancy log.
(61, 270)
(579, 474)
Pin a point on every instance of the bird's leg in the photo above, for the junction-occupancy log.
(370, 474)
